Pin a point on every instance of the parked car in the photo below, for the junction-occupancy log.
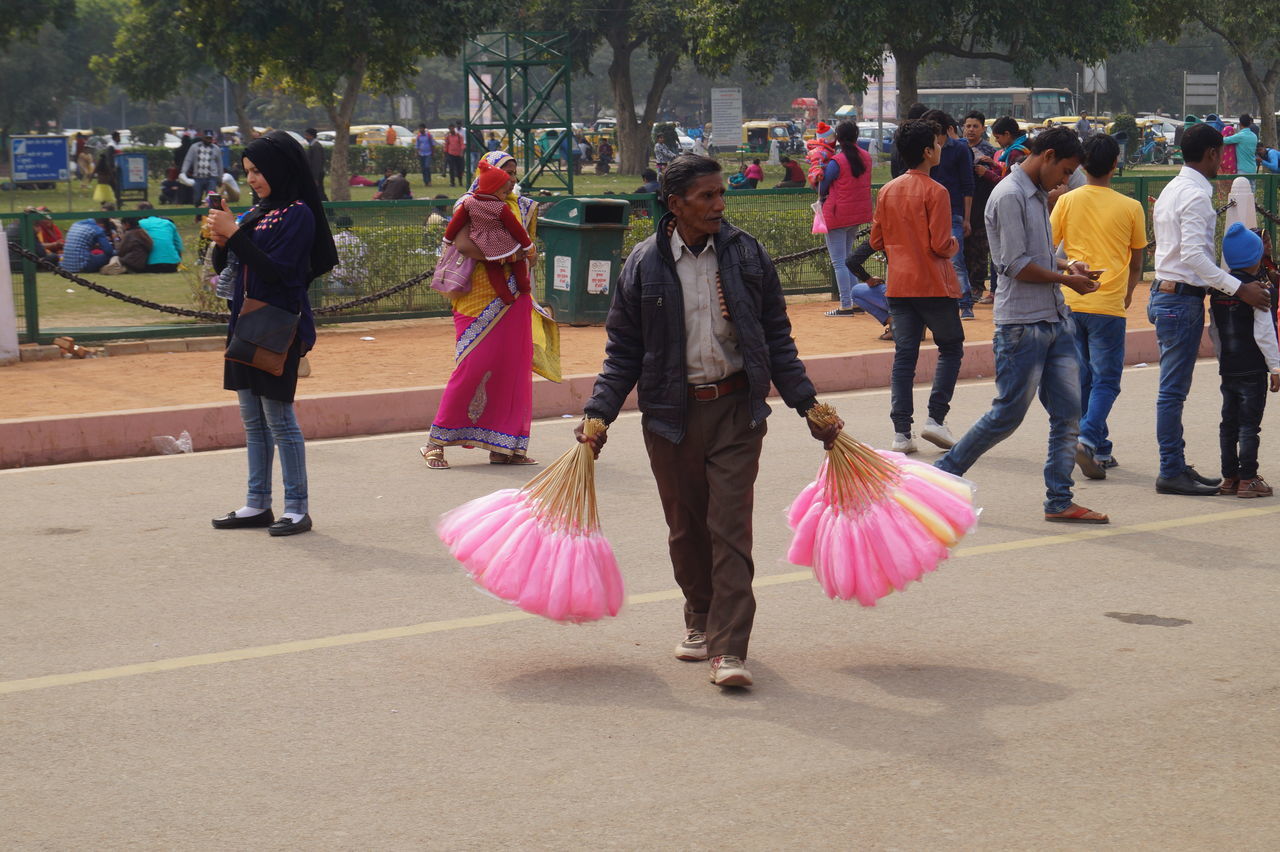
(867, 133)
(376, 134)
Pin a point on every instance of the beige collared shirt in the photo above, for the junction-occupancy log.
(711, 344)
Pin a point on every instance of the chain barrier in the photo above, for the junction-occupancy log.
(49, 266)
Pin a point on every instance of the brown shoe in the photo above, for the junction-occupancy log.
(1229, 485)
(1256, 487)
(1074, 514)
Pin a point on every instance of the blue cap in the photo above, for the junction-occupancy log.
(1241, 248)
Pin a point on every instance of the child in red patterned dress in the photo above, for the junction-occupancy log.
(495, 230)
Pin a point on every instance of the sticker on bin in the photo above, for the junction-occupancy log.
(563, 272)
(598, 277)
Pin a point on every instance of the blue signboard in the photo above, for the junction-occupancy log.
(39, 159)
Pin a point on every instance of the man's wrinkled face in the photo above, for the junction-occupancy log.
(700, 210)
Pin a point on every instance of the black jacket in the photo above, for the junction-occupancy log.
(646, 345)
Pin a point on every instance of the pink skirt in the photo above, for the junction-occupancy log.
(488, 401)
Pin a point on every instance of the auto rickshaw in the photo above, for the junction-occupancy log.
(758, 133)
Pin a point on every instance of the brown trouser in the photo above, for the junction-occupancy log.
(707, 483)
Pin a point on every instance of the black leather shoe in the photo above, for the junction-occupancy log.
(1185, 483)
(1215, 481)
(229, 521)
(284, 526)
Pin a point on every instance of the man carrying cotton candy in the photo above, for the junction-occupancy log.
(699, 324)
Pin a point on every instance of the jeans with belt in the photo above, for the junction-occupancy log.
(1179, 322)
(1029, 357)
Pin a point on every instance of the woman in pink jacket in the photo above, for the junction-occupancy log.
(845, 193)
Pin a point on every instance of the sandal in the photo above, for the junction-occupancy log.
(434, 456)
(888, 332)
(500, 458)
(840, 312)
(1074, 514)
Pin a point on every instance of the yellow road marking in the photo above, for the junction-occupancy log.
(346, 639)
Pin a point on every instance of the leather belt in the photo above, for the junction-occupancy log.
(715, 390)
(1177, 288)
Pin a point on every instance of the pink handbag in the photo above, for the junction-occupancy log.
(452, 275)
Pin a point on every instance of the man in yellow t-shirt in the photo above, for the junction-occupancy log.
(1107, 230)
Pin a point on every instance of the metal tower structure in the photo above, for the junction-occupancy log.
(518, 88)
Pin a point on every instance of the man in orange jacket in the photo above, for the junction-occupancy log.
(922, 287)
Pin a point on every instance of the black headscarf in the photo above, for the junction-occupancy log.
(284, 164)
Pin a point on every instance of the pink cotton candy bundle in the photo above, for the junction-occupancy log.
(540, 547)
(872, 522)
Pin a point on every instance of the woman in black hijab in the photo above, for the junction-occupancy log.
(275, 250)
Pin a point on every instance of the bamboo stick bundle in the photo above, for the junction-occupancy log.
(540, 547)
(874, 521)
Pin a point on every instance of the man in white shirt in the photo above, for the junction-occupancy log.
(1185, 266)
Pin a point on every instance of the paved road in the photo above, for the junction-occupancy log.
(167, 686)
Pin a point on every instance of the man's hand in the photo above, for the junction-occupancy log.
(1079, 267)
(1128, 299)
(596, 444)
(1082, 284)
(874, 281)
(968, 228)
(1275, 382)
(826, 434)
(1254, 295)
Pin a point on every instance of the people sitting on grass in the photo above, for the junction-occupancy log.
(166, 242)
(88, 248)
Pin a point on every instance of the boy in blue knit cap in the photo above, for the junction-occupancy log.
(1248, 362)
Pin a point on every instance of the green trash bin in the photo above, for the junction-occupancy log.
(582, 241)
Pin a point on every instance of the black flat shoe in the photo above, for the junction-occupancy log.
(229, 521)
(1185, 484)
(1203, 480)
(284, 526)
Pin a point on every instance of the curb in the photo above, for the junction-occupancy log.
(35, 441)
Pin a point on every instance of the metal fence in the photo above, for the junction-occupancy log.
(381, 244)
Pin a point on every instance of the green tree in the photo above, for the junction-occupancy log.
(43, 73)
(630, 28)
(23, 19)
(1023, 34)
(327, 51)
(1251, 32)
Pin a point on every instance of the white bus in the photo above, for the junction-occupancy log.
(1028, 104)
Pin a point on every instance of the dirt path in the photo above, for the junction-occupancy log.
(403, 353)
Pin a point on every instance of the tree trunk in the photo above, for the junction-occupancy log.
(340, 114)
(633, 139)
(240, 103)
(1262, 82)
(908, 80)
(824, 92)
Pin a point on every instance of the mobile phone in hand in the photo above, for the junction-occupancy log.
(213, 201)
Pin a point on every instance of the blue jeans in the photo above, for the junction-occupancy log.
(269, 424)
(1031, 356)
(839, 247)
(1100, 348)
(1179, 322)
(1244, 398)
(203, 186)
(910, 318)
(426, 169)
(958, 264)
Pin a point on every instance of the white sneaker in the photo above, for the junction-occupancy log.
(693, 648)
(903, 442)
(729, 671)
(938, 433)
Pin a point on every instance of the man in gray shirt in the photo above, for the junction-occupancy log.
(1035, 336)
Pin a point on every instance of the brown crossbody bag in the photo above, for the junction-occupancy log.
(263, 336)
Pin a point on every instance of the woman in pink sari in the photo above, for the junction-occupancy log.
(488, 402)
